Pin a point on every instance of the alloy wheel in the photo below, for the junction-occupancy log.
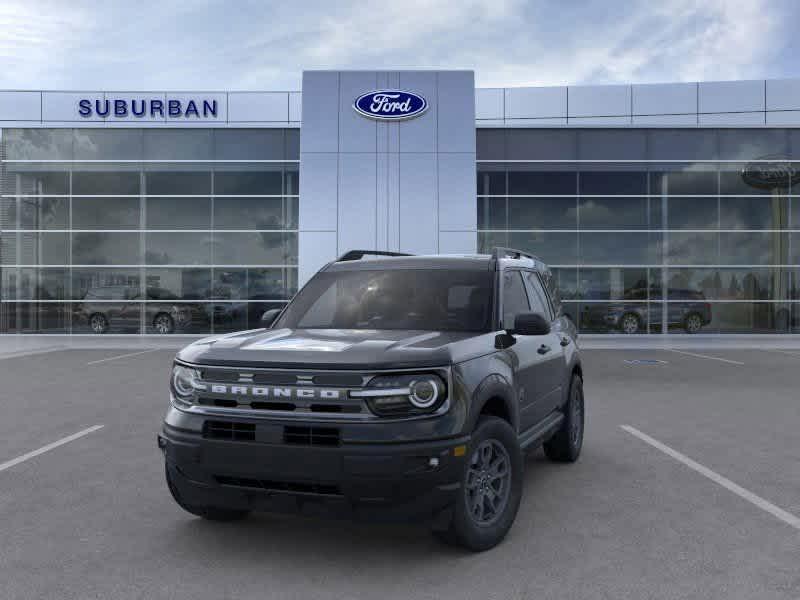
(98, 324)
(488, 484)
(163, 324)
(630, 324)
(693, 324)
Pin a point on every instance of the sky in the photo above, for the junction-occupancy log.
(263, 45)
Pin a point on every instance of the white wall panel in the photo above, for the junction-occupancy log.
(418, 199)
(458, 242)
(20, 106)
(295, 107)
(319, 176)
(316, 249)
(489, 103)
(664, 99)
(536, 103)
(456, 98)
(599, 101)
(457, 192)
(320, 131)
(258, 106)
(357, 223)
(731, 96)
(783, 94)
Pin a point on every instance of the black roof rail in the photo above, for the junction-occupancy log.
(359, 254)
(500, 252)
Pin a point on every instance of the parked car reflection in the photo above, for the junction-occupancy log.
(687, 309)
(101, 314)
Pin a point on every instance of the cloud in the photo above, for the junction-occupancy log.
(266, 45)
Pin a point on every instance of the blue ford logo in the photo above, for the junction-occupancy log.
(390, 105)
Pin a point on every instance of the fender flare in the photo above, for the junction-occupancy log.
(493, 386)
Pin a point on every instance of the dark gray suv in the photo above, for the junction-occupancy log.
(391, 386)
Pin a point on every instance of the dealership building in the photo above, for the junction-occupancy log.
(665, 208)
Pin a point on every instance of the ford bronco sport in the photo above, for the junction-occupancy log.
(391, 386)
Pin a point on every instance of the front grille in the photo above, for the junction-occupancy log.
(287, 487)
(311, 436)
(348, 406)
(229, 430)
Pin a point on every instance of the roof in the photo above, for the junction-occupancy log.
(432, 261)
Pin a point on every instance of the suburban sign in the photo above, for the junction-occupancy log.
(390, 105)
(200, 108)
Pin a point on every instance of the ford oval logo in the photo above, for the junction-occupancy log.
(390, 105)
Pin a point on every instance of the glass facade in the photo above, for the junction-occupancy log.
(652, 230)
(151, 230)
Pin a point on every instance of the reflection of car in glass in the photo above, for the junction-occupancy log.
(99, 311)
(692, 313)
(403, 387)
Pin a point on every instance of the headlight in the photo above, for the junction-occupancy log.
(185, 381)
(403, 395)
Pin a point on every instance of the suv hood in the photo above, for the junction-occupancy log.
(327, 348)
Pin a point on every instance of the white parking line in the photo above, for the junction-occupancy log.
(758, 501)
(22, 353)
(102, 360)
(43, 449)
(726, 360)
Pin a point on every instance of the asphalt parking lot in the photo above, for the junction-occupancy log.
(697, 497)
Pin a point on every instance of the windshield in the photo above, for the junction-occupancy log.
(428, 299)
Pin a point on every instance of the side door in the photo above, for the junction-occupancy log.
(551, 370)
(525, 359)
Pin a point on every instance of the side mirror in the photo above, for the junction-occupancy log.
(530, 324)
(269, 316)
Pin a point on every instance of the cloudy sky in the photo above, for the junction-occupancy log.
(251, 45)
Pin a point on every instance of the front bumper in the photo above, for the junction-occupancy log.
(372, 481)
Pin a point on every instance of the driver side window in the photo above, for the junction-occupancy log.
(515, 299)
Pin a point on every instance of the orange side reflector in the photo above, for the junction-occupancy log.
(459, 451)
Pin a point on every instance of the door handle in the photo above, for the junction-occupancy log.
(565, 341)
(543, 349)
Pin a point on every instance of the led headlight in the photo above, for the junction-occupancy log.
(403, 395)
(184, 383)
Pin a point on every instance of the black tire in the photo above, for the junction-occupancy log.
(98, 323)
(630, 323)
(692, 323)
(466, 528)
(210, 513)
(163, 323)
(566, 444)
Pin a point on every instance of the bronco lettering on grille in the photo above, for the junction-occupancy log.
(270, 392)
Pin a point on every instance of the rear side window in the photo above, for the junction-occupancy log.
(539, 303)
(515, 300)
(552, 288)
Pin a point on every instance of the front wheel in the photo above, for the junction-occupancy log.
(491, 488)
